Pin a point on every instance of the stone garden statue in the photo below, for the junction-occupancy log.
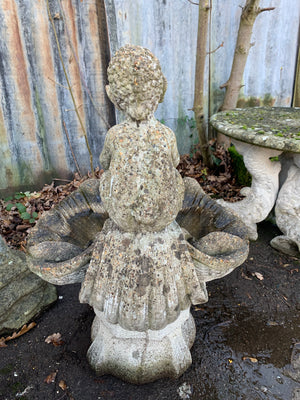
(142, 241)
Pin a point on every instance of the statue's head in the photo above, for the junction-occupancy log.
(136, 82)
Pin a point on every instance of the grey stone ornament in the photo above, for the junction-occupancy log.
(145, 249)
(23, 295)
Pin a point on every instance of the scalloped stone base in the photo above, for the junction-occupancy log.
(141, 357)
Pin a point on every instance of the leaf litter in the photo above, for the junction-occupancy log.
(55, 339)
(25, 328)
(218, 182)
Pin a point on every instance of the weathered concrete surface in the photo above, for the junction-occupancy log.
(287, 212)
(23, 295)
(141, 357)
(261, 197)
(60, 245)
(141, 188)
(141, 279)
(36, 110)
(259, 134)
(276, 128)
(131, 155)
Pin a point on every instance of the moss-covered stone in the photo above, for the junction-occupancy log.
(272, 127)
(241, 172)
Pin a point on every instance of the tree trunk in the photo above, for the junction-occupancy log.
(250, 11)
(296, 97)
(199, 80)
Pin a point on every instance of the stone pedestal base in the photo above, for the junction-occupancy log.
(141, 357)
(262, 195)
(287, 212)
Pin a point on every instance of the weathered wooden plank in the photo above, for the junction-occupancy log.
(35, 103)
(169, 29)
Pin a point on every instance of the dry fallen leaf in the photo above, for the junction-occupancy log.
(258, 275)
(294, 270)
(252, 359)
(62, 384)
(25, 328)
(54, 339)
(245, 276)
(272, 323)
(51, 377)
(198, 308)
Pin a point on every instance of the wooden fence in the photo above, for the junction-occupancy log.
(40, 134)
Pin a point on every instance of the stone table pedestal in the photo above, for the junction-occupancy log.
(261, 134)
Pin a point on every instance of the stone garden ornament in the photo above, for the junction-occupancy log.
(23, 295)
(142, 241)
(261, 134)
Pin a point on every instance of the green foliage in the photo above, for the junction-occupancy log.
(18, 196)
(216, 160)
(242, 175)
(24, 214)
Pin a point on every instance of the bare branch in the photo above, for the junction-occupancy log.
(196, 4)
(224, 85)
(260, 10)
(59, 84)
(217, 48)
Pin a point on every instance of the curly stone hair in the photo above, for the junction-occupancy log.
(136, 82)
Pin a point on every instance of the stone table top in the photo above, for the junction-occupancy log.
(273, 127)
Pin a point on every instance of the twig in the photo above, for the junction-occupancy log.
(57, 83)
(70, 88)
(74, 158)
(73, 109)
(63, 180)
(196, 4)
(80, 71)
(266, 9)
(217, 48)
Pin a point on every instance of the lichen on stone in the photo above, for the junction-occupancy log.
(136, 82)
(273, 127)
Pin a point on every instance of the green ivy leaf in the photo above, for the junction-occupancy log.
(32, 220)
(9, 206)
(25, 215)
(19, 196)
(215, 159)
(21, 207)
(34, 214)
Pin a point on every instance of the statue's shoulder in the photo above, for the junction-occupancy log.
(114, 131)
(166, 131)
(163, 127)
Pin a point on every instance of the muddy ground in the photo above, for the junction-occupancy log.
(245, 336)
